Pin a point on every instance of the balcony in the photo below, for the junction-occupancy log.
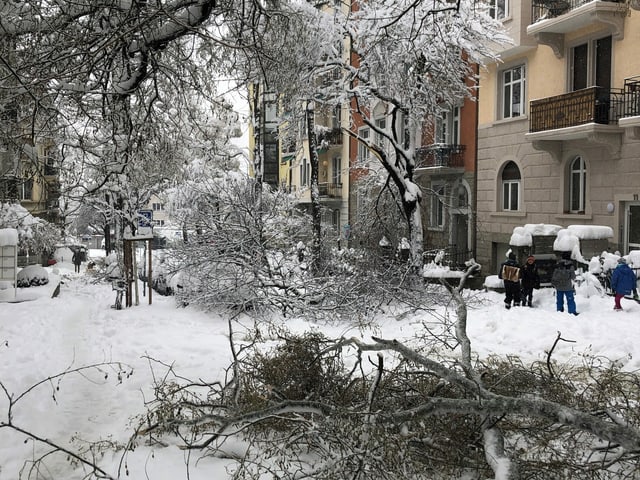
(631, 114)
(440, 155)
(330, 190)
(552, 19)
(329, 138)
(590, 114)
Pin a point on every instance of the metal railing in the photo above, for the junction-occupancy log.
(544, 9)
(331, 137)
(440, 155)
(452, 257)
(632, 96)
(332, 190)
(589, 105)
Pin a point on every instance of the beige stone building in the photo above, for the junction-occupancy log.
(559, 123)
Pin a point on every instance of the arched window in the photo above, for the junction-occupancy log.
(577, 185)
(511, 187)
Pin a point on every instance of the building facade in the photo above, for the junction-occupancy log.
(559, 124)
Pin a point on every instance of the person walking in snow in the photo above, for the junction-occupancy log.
(77, 260)
(623, 282)
(562, 280)
(510, 275)
(530, 280)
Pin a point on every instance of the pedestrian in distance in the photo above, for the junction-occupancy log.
(623, 282)
(510, 275)
(530, 280)
(77, 260)
(562, 280)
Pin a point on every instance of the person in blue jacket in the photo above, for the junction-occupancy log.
(623, 282)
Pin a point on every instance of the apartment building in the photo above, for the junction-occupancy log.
(31, 177)
(559, 123)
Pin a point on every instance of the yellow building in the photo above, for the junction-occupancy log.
(32, 178)
(559, 123)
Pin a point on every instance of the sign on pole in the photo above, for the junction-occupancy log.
(145, 224)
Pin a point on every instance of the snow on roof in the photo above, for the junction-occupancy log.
(523, 236)
(8, 236)
(591, 232)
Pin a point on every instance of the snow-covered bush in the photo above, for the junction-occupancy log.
(32, 276)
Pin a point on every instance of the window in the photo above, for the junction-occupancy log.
(513, 83)
(406, 132)
(25, 189)
(448, 127)
(498, 9)
(305, 172)
(380, 123)
(157, 206)
(335, 219)
(336, 170)
(436, 218)
(591, 64)
(363, 150)
(577, 185)
(511, 187)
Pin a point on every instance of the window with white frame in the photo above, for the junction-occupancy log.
(577, 185)
(498, 9)
(157, 206)
(511, 187)
(513, 91)
(436, 217)
(336, 170)
(25, 189)
(381, 123)
(363, 150)
(305, 172)
(590, 64)
(448, 127)
(335, 219)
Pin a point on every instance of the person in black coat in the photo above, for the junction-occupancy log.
(510, 275)
(530, 280)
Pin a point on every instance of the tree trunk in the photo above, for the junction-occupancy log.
(315, 191)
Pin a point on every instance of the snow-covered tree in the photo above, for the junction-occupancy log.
(34, 234)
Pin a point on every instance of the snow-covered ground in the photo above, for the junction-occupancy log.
(42, 337)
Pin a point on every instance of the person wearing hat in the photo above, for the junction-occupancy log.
(510, 274)
(562, 280)
(530, 280)
(623, 282)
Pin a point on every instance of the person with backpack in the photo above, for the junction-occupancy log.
(562, 280)
(77, 260)
(623, 282)
(510, 275)
(530, 280)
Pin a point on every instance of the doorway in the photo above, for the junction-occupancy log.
(632, 226)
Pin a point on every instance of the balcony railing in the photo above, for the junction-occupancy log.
(331, 190)
(632, 97)
(589, 105)
(543, 9)
(453, 257)
(440, 155)
(329, 138)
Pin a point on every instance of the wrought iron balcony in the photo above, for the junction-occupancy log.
(331, 190)
(329, 138)
(440, 155)
(544, 9)
(632, 97)
(589, 105)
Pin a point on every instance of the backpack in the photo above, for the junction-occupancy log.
(510, 273)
